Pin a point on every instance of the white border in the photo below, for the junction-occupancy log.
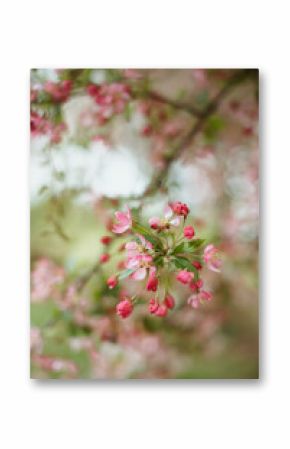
(222, 414)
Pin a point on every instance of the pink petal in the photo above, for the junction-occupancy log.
(139, 274)
(147, 258)
(215, 266)
(122, 217)
(131, 246)
(208, 249)
(133, 262)
(168, 212)
(175, 221)
(154, 221)
(120, 228)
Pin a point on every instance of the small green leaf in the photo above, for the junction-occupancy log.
(158, 261)
(147, 234)
(185, 264)
(194, 244)
(189, 247)
(124, 274)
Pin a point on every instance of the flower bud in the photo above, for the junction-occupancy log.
(104, 258)
(180, 208)
(124, 308)
(188, 232)
(161, 311)
(169, 301)
(105, 239)
(112, 282)
(184, 276)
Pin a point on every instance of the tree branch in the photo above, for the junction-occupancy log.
(174, 103)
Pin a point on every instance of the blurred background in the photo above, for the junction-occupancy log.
(101, 139)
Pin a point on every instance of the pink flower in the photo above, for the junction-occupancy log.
(211, 258)
(124, 308)
(111, 99)
(184, 276)
(124, 221)
(168, 220)
(112, 282)
(188, 232)
(138, 258)
(169, 302)
(58, 91)
(196, 299)
(104, 258)
(180, 208)
(152, 283)
(140, 264)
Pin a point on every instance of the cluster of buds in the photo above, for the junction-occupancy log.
(158, 254)
(111, 98)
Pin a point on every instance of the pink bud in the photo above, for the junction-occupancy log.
(106, 239)
(161, 311)
(152, 283)
(197, 265)
(169, 302)
(184, 276)
(180, 208)
(124, 308)
(112, 282)
(104, 258)
(153, 305)
(188, 232)
(93, 90)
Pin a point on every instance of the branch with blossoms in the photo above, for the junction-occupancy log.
(113, 98)
(158, 255)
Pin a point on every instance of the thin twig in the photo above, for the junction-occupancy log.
(83, 280)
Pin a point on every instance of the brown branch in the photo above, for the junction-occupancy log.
(174, 103)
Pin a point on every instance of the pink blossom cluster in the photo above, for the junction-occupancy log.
(157, 255)
(40, 125)
(111, 98)
(60, 91)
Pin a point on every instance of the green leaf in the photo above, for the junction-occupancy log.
(189, 247)
(194, 244)
(185, 264)
(158, 261)
(147, 234)
(124, 274)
